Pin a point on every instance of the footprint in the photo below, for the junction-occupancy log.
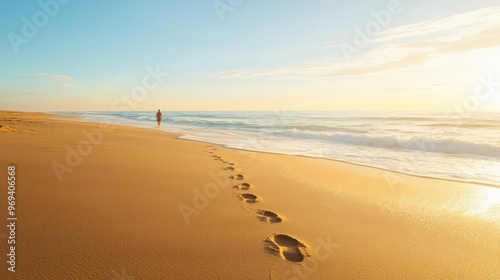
(230, 163)
(289, 248)
(269, 216)
(230, 168)
(249, 198)
(237, 177)
(242, 186)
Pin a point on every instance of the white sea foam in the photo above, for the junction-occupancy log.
(418, 143)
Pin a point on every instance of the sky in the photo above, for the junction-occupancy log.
(382, 55)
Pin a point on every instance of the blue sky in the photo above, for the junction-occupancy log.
(256, 55)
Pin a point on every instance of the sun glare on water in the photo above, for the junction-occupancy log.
(487, 203)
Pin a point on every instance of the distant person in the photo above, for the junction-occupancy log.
(159, 117)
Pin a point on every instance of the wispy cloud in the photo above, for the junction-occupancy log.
(400, 47)
(451, 28)
(51, 76)
(382, 58)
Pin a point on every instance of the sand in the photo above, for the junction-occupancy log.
(102, 202)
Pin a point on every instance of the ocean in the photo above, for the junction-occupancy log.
(438, 145)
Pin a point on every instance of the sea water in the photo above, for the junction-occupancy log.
(463, 148)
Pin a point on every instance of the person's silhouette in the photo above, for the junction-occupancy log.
(159, 117)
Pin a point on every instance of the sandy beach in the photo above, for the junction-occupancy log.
(96, 201)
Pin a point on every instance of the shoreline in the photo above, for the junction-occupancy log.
(352, 163)
(144, 202)
(486, 184)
